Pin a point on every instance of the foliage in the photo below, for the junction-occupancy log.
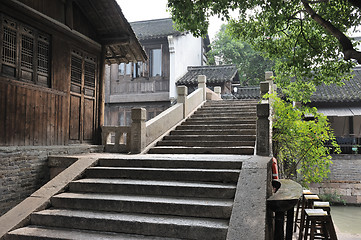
(307, 39)
(332, 198)
(300, 145)
(228, 50)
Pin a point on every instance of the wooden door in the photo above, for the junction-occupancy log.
(83, 90)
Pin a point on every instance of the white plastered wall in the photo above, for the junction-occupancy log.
(185, 50)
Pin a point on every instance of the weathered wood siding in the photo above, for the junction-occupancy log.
(55, 9)
(30, 116)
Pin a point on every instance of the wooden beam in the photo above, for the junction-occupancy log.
(115, 40)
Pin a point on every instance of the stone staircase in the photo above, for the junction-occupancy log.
(158, 196)
(142, 197)
(219, 127)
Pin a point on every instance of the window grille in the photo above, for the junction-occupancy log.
(76, 69)
(89, 74)
(25, 52)
(43, 55)
(9, 46)
(83, 74)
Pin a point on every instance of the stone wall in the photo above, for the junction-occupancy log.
(23, 170)
(344, 179)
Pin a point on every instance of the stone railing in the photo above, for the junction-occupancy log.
(142, 133)
(116, 138)
(264, 118)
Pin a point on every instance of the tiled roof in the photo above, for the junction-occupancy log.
(214, 74)
(350, 92)
(252, 92)
(157, 28)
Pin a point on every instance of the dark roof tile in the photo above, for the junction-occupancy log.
(157, 28)
(349, 92)
(214, 74)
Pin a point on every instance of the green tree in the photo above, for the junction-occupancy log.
(299, 145)
(228, 50)
(307, 39)
(309, 43)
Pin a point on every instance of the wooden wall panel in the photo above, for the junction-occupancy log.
(2, 112)
(89, 109)
(31, 116)
(74, 118)
(55, 9)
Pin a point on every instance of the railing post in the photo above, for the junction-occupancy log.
(138, 130)
(182, 92)
(202, 84)
(218, 90)
(264, 118)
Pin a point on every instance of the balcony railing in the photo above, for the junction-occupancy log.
(348, 145)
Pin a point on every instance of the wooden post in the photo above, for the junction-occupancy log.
(101, 104)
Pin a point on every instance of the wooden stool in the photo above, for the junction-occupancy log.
(299, 204)
(319, 216)
(307, 203)
(322, 205)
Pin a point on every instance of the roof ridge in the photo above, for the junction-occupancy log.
(211, 66)
(152, 20)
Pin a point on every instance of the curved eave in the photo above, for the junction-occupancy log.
(114, 31)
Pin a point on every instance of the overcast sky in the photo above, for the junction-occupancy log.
(138, 10)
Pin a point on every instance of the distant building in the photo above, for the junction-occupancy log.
(342, 106)
(223, 76)
(151, 84)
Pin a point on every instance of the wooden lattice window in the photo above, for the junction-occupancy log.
(25, 52)
(83, 66)
(89, 71)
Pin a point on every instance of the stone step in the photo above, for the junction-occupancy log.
(230, 102)
(174, 162)
(131, 223)
(223, 115)
(214, 132)
(154, 187)
(192, 121)
(47, 233)
(207, 113)
(211, 138)
(213, 118)
(160, 205)
(205, 143)
(181, 174)
(243, 150)
(216, 126)
(227, 109)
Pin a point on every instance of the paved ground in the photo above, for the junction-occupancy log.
(340, 235)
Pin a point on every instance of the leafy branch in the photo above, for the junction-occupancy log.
(300, 145)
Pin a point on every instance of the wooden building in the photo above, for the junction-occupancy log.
(52, 67)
